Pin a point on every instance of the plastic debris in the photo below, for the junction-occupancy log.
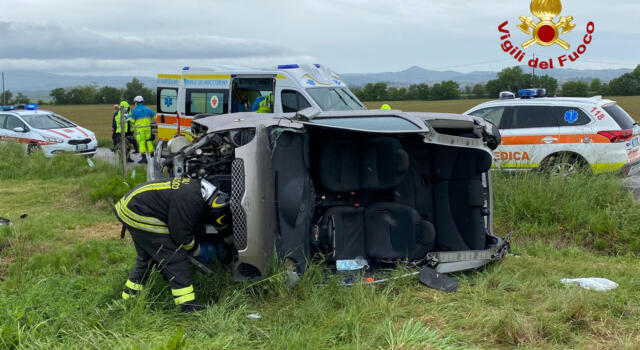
(4, 221)
(255, 316)
(352, 264)
(591, 283)
(90, 162)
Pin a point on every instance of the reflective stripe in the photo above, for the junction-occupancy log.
(138, 221)
(214, 204)
(219, 220)
(185, 298)
(189, 246)
(134, 286)
(125, 295)
(566, 138)
(182, 291)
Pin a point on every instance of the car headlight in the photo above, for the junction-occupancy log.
(53, 139)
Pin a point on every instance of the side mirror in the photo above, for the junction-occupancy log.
(19, 129)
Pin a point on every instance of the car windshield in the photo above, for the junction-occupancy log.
(334, 99)
(369, 123)
(47, 121)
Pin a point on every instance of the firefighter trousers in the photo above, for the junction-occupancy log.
(143, 136)
(159, 251)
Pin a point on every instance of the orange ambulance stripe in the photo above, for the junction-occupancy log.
(174, 120)
(537, 139)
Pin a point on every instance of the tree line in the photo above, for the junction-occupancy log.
(509, 79)
(87, 94)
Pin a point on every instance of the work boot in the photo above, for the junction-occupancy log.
(143, 160)
(129, 160)
(190, 307)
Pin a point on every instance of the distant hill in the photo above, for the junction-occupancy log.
(38, 84)
(417, 75)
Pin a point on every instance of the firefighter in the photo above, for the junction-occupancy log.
(116, 110)
(117, 127)
(161, 217)
(142, 117)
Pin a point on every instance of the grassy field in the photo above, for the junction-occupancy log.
(98, 117)
(63, 267)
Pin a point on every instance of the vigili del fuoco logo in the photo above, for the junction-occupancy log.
(545, 32)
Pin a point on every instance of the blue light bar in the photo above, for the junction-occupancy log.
(31, 107)
(527, 93)
(185, 68)
(288, 66)
(7, 108)
(317, 65)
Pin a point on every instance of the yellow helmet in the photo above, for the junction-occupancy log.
(124, 104)
(385, 106)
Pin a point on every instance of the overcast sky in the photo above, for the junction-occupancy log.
(143, 37)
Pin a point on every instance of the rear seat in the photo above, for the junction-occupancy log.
(383, 230)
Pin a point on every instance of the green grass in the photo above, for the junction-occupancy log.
(63, 268)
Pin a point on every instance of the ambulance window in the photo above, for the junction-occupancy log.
(167, 100)
(532, 117)
(570, 116)
(293, 101)
(247, 93)
(620, 116)
(207, 101)
(492, 114)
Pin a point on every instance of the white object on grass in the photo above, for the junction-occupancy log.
(255, 316)
(351, 264)
(592, 283)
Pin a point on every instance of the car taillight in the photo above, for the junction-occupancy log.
(617, 135)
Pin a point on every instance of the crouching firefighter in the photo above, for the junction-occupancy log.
(161, 217)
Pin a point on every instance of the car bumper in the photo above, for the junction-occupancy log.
(84, 149)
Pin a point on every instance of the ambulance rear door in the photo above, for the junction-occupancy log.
(247, 90)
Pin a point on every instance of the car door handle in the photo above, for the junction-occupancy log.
(549, 139)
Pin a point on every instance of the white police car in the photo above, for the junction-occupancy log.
(562, 134)
(44, 130)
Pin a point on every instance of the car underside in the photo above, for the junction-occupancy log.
(308, 191)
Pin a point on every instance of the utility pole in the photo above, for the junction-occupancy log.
(4, 97)
(123, 143)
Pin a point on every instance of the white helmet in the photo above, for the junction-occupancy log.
(138, 99)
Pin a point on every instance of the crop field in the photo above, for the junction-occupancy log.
(97, 118)
(63, 266)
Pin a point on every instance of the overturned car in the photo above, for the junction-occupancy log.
(379, 186)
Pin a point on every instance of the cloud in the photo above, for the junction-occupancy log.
(44, 41)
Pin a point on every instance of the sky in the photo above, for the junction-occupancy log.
(144, 37)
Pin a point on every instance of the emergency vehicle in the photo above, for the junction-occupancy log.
(198, 92)
(562, 134)
(44, 130)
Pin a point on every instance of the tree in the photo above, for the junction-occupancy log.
(59, 96)
(375, 92)
(575, 89)
(5, 98)
(108, 94)
(478, 91)
(21, 99)
(595, 86)
(514, 79)
(625, 85)
(136, 88)
(447, 90)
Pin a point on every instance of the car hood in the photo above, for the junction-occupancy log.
(73, 133)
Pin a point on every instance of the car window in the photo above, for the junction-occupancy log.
(492, 114)
(47, 121)
(531, 117)
(14, 122)
(570, 116)
(2, 119)
(293, 101)
(334, 99)
(620, 116)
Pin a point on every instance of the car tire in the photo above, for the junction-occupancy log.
(564, 165)
(33, 148)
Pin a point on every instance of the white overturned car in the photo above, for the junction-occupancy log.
(44, 130)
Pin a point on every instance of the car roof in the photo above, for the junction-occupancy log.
(554, 101)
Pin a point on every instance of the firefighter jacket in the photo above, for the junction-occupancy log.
(172, 207)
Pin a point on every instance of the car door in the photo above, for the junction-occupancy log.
(3, 131)
(11, 124)
(529, 134)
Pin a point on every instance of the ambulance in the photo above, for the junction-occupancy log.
(194, 93)
(562, 134)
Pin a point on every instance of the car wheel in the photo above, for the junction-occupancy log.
(564, 165)
(33, 148)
